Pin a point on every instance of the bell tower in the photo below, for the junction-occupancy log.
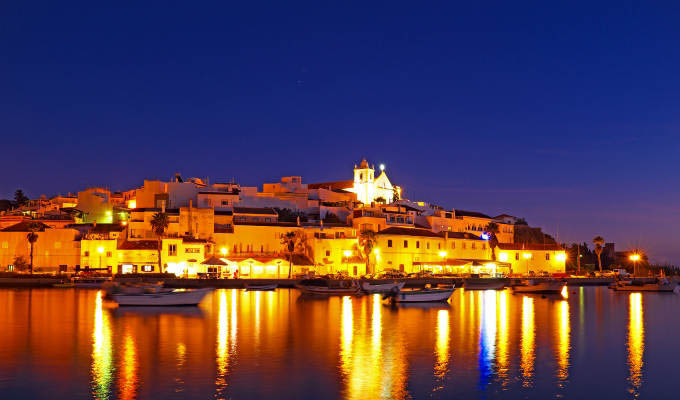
(364, 182)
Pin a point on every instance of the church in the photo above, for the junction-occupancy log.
(365, 185)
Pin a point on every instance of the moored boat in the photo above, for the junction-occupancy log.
(65, 284)
(90, 283)
(381, 287)
(483, 284)
(661, 285)
(422, 295)
(542, 287)
(250, 287)
(324, 287)
(163, 298)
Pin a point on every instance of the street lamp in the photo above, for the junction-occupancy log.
(527, 256)
(100, 250)
(347, 254)
(634, 258)
(224, 251)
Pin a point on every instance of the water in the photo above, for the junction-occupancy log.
(69, 344)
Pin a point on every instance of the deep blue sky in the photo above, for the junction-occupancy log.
(564, 114)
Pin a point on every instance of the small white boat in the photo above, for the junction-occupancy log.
(382, 287)
(251, 288)
(661, 285)
(543, 287)
(90, 283)
(422, 296)
(324, 288)
(169, 298)
(483, 284)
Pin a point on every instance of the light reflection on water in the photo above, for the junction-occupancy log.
(487, 344)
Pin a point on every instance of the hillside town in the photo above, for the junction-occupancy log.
(194, 228)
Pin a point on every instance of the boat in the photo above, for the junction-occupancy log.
(483, 284)
(382, 287)
(90, 283)
(543, 287)
(251, 287)
(421, 295)
(325, 287)
(63, 285)
(661, 285)
(162, 298)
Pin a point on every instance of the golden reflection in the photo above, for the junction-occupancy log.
(181, 356)
(222, 355)
(234, 322)
(487, 335)
(565, 292)
(128, 375)
(258, 301)
(442, 348)
(563, 345)
(636, 342)
(502, 358)
(371, 369)
(527, 344)
(102, 360)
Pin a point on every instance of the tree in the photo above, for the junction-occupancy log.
(32, 237)
(20, 198)
(20, 263)
(159, 223)
(380, 200)
(293, 241)
(331, 218)
(367, 239)
(598, 241)
(492, 229)
(521, 221)
(396, 194)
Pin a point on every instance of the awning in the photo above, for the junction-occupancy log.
(213, 261)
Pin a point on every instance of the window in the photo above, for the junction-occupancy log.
(87, 254)
(547, 256)
(172, 249)
(517, 256)
(225, 202)
(127, 268)
(474, 245)
(428, 245)
(389, 243)
(406, 244)
(439, 246)
(328, 253)
(108, 254)
(464, 245)
(417, 244)
(147, 268)
(483, 246)
(453, 245)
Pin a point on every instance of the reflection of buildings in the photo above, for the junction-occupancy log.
(442, 346)
(487, 336)
(563, 340)
(636, 341)
(527, 344)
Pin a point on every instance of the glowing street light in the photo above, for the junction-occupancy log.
(100, 250)
(347, 253)
(442, 254)
(635, 257)
(382, 167)
(561, 257)
(224, 251)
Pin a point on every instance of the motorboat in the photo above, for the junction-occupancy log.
(544, 286)
(64, 284)
(325, 287)
(483, 284)
(90, 282)
(421, 295)
(163, 298)
(251, 287)
(382, 287)
(661, 285)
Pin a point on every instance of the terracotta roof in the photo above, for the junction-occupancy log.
(222, 228)
(333, 185)
(530, 246)
(213, 261)
(254, 210)
(102, 228)
(27, 226)
(408, 232)
(460, 235)
(188, 239)
(139, 245)
(463, 213)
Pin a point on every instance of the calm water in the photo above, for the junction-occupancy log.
(67, 344)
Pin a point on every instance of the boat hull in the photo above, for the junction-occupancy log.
(382, 287)
(650, 287)
(174, 298)
(477, 284)
(254, 288)
(326, 291)
(542, 287)
(423, 296)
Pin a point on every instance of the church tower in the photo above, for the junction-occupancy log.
(364, 182)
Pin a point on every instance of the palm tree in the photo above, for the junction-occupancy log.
(292, 241)
(367, 241)
(159, 223)
(32, 237)
(598, 241)
(492, 229)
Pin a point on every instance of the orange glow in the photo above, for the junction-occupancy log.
(132, 204)
(128, 374)
(102, 357)
(634, 257)
(563, 341)
(528, 341)
(636, 341)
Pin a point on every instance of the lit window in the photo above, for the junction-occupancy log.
(147, 268)
(517, 256)
(108, 254)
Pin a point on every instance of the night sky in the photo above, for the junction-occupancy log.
(565, 114)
